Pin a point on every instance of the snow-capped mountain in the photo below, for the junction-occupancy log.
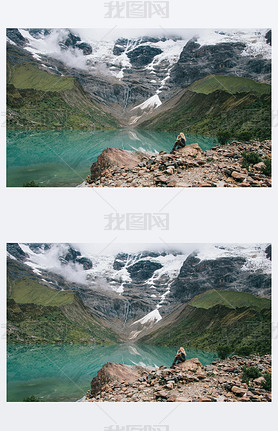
(134, 290)
(134, 75)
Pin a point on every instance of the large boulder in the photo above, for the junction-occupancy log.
(192, 150)
(114, 372)
(191, 365)
(112, 157)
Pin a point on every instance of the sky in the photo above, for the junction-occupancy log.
(185, 33)
(115, 33)
(114, 248)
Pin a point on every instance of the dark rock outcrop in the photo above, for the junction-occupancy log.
(37, 33)
(85, 47)
(143, 55)
(120, 46)
(16, 251)
(74, 256)
(268, 252)
(74, 41)
(122, 259)
(143, 270)
(38, 247)
(268, 37)
(14, 35)
(85, 261)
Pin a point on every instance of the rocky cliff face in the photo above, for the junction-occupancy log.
(227, 58)
(197, 276)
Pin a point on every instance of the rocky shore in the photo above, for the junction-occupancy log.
(190, 381)
(221, 166)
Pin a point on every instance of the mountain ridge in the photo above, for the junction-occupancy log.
(39, 314)
(38, 99)
(131, 78)
(153, 286)
(207, 328)
(206, 110)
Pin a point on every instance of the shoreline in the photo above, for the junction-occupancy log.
(235, 379)
(225, 165)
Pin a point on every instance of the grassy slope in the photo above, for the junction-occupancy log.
(234, 104)
(230, 299)
(37, 314)
(37, 99)
(230, 84)
(25, 76)
(206, 328)
(27, 291)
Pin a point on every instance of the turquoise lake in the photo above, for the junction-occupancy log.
(64, 158)
(64, 373)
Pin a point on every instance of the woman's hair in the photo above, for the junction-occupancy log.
(182, 350)
(182, 135)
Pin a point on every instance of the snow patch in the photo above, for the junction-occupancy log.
(151, 103)
(154, 316)
(11, 41)
(254, 39)
(256, 259)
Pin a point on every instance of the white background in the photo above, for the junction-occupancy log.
(196, 215)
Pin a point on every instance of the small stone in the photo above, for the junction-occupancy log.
(162, 394)
(172, 184)
(162, 179)
(238, 176)
(170, 385)
(172, 399)
(259, 380)
(239, 392)
(170, 170)
(259, 166)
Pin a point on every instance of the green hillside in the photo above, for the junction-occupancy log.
(38, 99)
(38, 314)
(31, 292)
(230, 84)
(208, 327)
(212, 105)
(230, 299)
(25, 76)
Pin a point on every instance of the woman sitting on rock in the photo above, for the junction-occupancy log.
(180, 357)
(180, 142)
